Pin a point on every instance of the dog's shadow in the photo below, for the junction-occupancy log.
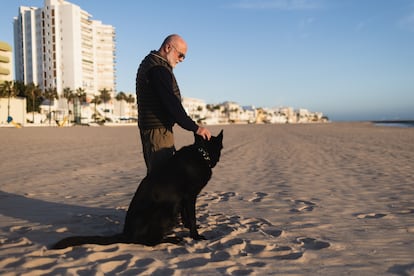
(34, 218)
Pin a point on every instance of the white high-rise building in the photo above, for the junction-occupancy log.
(59, 46)
(6, 72)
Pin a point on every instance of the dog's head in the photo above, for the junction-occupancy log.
(212, 147)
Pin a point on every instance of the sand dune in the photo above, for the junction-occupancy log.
(325, 199)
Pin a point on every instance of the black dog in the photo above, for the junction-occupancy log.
(162, 196)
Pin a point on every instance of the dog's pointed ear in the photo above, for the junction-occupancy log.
(220, 136)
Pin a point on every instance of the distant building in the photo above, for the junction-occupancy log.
(195, 108)
(6, 65)
(59, 46)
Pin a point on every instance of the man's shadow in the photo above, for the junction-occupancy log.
(47, 222)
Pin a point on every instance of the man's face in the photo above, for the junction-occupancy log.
(176, 54)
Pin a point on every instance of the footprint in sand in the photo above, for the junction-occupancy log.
(220, 256)
(254, 224)
(20, 229)
(226, 196)
(290, 256)
(180, 263)
(220, 225)
(110, 262)
(370, 216)
(217, 197)
(177, 250)
(312, 244)
(272, 231)
(9, 243)
(259, 196)
(405, 212)
(302, 206)
(237, 270)
(228, 247)
(145, 262)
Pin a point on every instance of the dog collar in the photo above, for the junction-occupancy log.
(205, 155)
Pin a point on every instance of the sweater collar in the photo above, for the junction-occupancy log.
(156, 54)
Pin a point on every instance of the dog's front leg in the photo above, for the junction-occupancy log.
(189, 206)
(184, 215)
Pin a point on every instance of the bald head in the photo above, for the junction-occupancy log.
(173, 49)
(173, 39)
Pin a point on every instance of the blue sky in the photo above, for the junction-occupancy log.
(350, 59)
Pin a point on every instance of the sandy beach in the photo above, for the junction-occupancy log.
(318, 199)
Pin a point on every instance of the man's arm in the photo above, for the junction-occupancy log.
(161, 81)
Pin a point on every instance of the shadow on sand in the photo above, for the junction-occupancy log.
(41, 221)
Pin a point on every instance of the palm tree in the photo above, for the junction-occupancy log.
(50, 94)
(80, 92)
(3, 91)
(130, 100)
(96, 100)
(68, 95)
(105, 97)
(8, 90)
(32, 93)
(80, 98)
(121, 96)
(19, 89)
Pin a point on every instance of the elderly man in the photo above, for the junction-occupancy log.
(159, 102)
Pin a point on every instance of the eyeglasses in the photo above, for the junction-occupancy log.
(180, 54)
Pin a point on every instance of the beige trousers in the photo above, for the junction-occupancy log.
(157, 146)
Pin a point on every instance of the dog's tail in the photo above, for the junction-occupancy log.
(80, 240)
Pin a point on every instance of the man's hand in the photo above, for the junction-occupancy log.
(204, 132)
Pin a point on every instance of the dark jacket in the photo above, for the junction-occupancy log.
(158, 94)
